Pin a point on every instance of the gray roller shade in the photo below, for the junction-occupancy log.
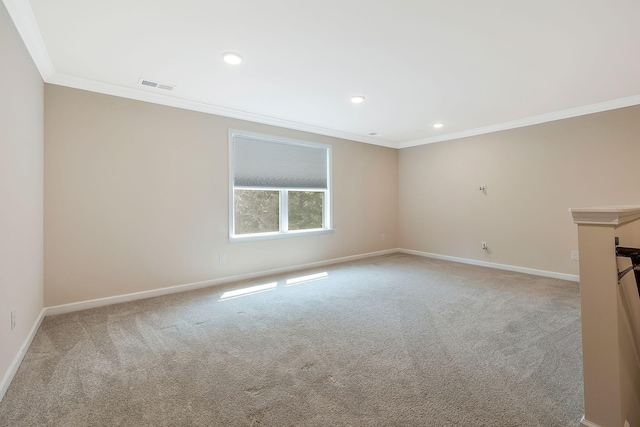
(260, 163)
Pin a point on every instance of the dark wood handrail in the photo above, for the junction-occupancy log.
(634, 254)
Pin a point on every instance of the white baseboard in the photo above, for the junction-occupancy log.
(544, 273)
(13, 368)
(84, 305)
(586, 423)
(100, 302)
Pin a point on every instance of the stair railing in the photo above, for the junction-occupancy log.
(634, 254)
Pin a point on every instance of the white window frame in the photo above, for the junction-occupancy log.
(284, 232)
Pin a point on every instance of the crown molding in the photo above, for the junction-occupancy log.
(22, 17)
(156, 98)
(528, 121)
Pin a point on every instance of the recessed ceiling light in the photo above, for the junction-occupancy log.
(232, 58)
(357, 99)
(438, 125)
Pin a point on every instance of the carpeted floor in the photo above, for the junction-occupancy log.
(397, 340)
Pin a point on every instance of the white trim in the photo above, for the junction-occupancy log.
(283, 217)
(284, 212)
(22, 16)
(609, 215)
(528, 121)
(25, 22)
(100, 302)
(276, 138)
(278, 235)
(232, 173)
(149, 95)
(543, 273)
(586, 423)
(13, 368)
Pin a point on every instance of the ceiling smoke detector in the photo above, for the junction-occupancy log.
(150, 83)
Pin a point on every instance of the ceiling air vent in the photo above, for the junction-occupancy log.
(149, 83)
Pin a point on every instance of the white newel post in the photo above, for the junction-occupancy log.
(610, 316)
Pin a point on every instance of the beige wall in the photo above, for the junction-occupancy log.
(21, 153)
(137, 194)
(533, 176)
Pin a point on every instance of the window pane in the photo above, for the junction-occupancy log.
(256, 211)
(305, 209)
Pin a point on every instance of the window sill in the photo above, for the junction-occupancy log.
(278, 235)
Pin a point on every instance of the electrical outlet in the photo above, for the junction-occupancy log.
(484, 246)
(575, 255)
(382, 237)
(223, 257)
(13, 320)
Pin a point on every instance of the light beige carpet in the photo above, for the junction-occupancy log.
(389, 341)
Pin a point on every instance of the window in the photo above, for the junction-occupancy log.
(279, 187)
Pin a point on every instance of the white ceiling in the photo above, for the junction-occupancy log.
(476, 66)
